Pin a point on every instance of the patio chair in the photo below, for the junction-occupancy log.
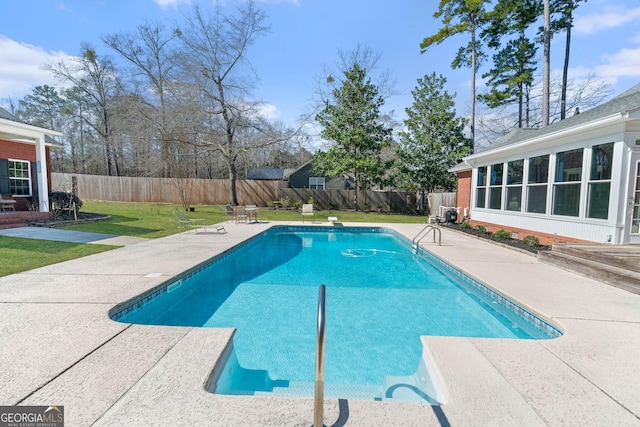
(252, 213)
(184, 222)
(307, 210)
(241, 214)
(231, 213)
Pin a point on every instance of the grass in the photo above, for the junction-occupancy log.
(148, 220)
(19, 254)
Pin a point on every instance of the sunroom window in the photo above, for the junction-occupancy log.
(514, 185)
(495, 186)
(566, 190)
(19, 178)
(600, 181)
(537, 184)
(481, 187)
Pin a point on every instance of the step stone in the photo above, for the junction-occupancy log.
(624, 256)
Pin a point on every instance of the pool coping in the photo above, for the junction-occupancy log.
(61, 347)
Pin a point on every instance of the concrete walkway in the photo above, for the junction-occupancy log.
(59, 347)
(44, 233)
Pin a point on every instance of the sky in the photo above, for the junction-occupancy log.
(304, 40)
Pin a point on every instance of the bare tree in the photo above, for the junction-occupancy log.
(583, 93)
(151, 52)
(96, 77)
(365, 57)
(215, 59)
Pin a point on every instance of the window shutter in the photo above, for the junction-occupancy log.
(34, 178)
(4, 177)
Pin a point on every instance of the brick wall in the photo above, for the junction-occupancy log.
(18, 151)
(543, 238)
(463, 193)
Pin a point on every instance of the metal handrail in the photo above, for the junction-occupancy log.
(423, 233)
(320, 335)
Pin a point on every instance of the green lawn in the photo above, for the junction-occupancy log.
(19, 254)
(151, 221)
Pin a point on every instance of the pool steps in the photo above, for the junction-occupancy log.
(336, 391)
(397, 389)
(424, 387)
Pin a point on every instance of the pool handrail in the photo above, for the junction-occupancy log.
(318, 399)
(423, 233)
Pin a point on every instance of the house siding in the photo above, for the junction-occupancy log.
(300, 179)
(561, 228)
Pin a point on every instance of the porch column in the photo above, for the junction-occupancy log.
(43, 181)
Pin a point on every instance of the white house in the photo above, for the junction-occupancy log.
(574, 180)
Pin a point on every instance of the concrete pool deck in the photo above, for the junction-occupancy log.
(59, 347)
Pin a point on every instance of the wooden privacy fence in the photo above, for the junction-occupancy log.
(249, 192)
(166, 190)
(387, 201)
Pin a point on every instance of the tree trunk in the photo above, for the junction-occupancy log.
(565, 69)
(355, 194)
(233, 199)
(520, 104)
(474, 55)
(546, 75)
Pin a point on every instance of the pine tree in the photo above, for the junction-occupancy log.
(351, 120)
(462, 16)
(514, 63)
(433, 141)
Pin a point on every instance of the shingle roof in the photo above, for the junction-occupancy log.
(265, 173)
(4, 114)
(626, 101)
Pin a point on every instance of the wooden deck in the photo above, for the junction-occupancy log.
(616, 265)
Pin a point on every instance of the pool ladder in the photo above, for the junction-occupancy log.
(318, 398)
(423, 233)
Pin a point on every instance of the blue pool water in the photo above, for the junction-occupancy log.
(381, 297)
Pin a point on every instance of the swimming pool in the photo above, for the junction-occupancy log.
(381, 297)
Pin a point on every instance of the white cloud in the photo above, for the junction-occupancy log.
(268, 111)
(610, 17)
(21, 67)
(170, 4)
(64, 7)
(625, 63)
(294, 2)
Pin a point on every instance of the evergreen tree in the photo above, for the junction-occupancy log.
(462, 16)
(514, 63)
(42, 107)
(433, 141)
(351, 120)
